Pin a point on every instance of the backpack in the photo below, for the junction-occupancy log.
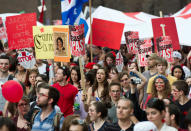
(56, 121)
(10, 77)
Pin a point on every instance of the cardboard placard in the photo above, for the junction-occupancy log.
(132, 37)
(61, 44)
(77, 40)
(3, 34)
(19, 30)
(144, 48)
(43, 42)
(164, 47)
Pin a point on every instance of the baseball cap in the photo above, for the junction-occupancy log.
(152, 56)
(145, 126)
(176, 54)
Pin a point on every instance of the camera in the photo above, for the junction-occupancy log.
(135, 81)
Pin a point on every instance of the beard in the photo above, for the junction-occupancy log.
(43, 105)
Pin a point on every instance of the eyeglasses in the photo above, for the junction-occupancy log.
(23, 104)
(126, 79)
(41, 94)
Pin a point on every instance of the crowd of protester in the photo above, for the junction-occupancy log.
(152, 98)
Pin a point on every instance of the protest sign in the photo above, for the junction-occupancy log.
(168, 26)
(26, 59)
(107, 33)
(77, 40)
(2, 30)
(19, 30)
(144, 48)
(132, 38)
(164, 47)
(119, 62)
(61, 44)
(43, 42)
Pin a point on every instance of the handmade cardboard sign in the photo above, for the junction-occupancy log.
(43, 42)
(61, 44)
(144, 49)
(19, 30)
(132, 37)
(164, 46)
(77, 40)
(167, 26)
(107, 33)
(3, 34)
(26, 59)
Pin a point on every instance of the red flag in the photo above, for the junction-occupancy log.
(42, 12)
(107, 33)
(170, 30)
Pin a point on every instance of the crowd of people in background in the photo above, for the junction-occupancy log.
(152, 98)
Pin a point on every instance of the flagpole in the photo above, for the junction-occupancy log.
(90, 13)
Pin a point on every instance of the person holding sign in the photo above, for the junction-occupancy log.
(60, 50)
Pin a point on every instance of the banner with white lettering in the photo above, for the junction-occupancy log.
(132, 37)
(26, 59)
(144, 48)
(77, 40)
(164, 47)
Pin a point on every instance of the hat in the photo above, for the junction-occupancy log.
(176, 54)
(89, 65)
(145, 126)
(152, 56)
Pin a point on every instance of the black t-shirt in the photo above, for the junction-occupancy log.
(116, 127)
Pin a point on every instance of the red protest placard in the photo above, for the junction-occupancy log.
(2, 30)
(107, 33)
(169, 27)
(77, 40)
(144, 49)
(164, 46)
(132, 38)
(19, 30)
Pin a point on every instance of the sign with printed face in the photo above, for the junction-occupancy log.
(144, 49)
(61, 44)
(132, 38)
(164, 47)
(26, 59)
(3, 34)
(77, 40)
(43, 42)
(19, 30)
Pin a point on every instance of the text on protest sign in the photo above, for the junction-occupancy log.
(107, 33)
(119, 62)
(164, 47)
(19, 30)
(144, 49)
(2, 30)
(132, 37)
(167, 26)
(77, 40)
(43, 42)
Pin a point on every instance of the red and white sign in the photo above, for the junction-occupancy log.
(2, 30)
(107, 33)
(132, 38)
(26, 60)
(144, 49)
(168, 26)
(119, 62)
(19, 30)
(77, 40)
(164, 46)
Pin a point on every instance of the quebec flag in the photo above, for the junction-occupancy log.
(72, 13)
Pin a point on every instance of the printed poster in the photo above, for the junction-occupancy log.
(164, 47)
(19, 30)
(61, 44)
(144, 48)
(43, 42)
(132, 37)
(3, 34)
(77, 40)
(119, 62)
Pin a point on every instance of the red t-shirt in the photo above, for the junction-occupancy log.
(67, 97)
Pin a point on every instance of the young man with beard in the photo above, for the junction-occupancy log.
(67, 92)
(47, 98)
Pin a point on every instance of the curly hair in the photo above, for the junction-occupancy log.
(167, 89)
